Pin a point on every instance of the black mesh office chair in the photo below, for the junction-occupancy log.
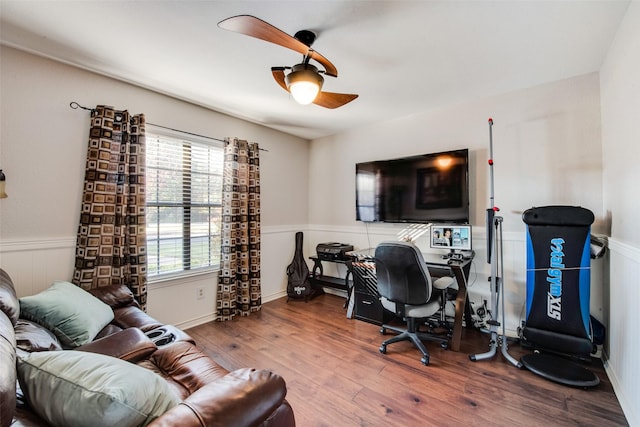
(405, 288)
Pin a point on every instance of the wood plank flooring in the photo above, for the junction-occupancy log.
(337, 377)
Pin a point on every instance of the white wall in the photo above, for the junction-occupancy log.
(547, 151)
(42, 152)
(620, 93)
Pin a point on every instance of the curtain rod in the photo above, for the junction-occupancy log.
(75, 106)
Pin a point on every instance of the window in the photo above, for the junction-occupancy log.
(184, 196)
(366, 182)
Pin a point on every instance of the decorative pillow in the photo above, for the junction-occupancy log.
(70, 312)
(75, 388)
(32, 337)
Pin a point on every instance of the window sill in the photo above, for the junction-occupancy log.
(181, 277)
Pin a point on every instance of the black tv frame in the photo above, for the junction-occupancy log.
(414, 189)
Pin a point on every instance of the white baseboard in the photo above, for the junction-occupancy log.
(195, 322)
(630, 411)
(273, 297)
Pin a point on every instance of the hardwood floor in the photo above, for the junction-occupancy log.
(337, 377)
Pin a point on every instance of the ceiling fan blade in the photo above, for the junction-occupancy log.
(256, 27)
(333, 100)
(278, 74)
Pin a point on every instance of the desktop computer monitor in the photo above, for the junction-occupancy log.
(455, 237)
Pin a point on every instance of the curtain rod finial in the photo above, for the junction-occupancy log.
(75, 106)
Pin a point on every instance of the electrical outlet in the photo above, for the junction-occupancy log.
(200, 292)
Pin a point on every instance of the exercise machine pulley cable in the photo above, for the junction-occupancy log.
(495, 258)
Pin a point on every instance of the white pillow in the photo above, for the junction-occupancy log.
(75, 388)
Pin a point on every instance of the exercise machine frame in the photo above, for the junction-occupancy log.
(495, 258)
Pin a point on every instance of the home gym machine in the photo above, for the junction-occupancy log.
(495, 258)
(558, 323)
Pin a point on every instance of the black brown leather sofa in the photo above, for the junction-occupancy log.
(193, 388)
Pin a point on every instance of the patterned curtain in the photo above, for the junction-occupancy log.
(111, 246)
(239, 289)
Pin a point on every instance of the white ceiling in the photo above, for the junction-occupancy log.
(401, 57)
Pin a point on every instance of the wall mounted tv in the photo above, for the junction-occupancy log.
(419, 189)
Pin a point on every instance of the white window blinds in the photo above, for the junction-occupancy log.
(184, 194)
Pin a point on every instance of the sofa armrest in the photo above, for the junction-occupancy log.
(130, 344)
(245, 397)
(7, 370)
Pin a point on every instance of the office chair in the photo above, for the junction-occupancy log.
(405, 288)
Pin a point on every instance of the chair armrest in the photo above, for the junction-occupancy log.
(245, 397)
(130, 344)
(443, 282)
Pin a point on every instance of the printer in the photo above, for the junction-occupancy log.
(333, 251)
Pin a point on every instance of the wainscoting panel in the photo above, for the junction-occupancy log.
(623, 340)
(34, 265)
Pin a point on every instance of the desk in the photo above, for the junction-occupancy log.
(438, 266)
(319, 279)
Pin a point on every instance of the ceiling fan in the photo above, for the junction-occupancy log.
(305, 80)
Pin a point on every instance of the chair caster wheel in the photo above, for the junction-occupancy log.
(444, 345)
(383, 349)
(425, 360)
(383, 331)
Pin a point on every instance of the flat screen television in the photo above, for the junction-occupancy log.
(419, 189)
(455, 237)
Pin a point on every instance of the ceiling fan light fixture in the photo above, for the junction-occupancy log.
(304, 83)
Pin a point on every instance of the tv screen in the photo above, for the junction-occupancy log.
(450, 236)
(420, 189)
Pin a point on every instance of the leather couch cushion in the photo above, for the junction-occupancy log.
(8, 300)
(73, 314)
(7, 371)
(32, 337)
(74, 388)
